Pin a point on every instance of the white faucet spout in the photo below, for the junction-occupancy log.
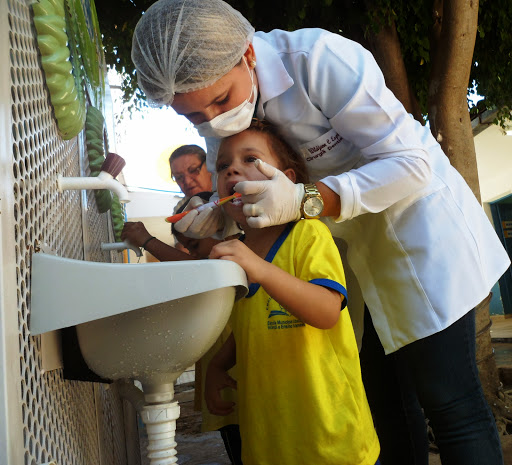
(121, 246)
(104, 180)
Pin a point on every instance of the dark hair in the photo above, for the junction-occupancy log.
(281, 149)
(188, 150)
(203, 195)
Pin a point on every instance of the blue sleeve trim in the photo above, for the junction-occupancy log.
(334, 285)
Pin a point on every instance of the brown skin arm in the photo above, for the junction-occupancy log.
(166, 253)
(137, 234)
(332, 203)
(217, 378)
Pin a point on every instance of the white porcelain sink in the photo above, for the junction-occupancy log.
(146, 321)
(156, 344)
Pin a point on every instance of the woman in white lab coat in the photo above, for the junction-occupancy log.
(422, 250)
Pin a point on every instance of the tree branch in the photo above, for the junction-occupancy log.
(385, 46)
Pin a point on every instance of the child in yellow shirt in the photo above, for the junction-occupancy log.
(300, 395)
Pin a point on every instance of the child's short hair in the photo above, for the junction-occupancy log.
(288, 157)
(203, 195)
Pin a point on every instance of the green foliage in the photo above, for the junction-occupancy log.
(117, 20)
(492, 64)
(413, 21)
(355, 19)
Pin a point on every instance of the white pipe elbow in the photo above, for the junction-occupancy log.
(127, 390)
(104, 180)
(121, 246)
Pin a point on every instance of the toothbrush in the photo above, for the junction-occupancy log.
(215, 203)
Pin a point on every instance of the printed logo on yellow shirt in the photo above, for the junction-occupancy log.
(274, 308)
(275, 312)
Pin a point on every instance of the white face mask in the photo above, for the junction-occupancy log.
(232, 121)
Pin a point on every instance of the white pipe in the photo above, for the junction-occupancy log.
(159, 415)
(127, 390)
(104, 180)
(121, 246)
(160, 421)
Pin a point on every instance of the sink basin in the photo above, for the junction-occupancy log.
(156, 344)
(147, 321)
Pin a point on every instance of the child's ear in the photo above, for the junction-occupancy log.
(290, 174)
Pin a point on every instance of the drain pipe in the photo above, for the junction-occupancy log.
(159, 415)
(127, 390)
(160, 421)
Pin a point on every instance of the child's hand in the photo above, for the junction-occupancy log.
(216, 380)
(236, 251)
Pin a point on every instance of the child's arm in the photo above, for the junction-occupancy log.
(217, 378)
(313, 304)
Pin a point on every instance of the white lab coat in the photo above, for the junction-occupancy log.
(418, 241)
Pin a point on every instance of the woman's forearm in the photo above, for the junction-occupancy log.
(164, 252)
(332, 202)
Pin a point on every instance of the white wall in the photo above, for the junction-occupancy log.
(494, 159)
(152, 207)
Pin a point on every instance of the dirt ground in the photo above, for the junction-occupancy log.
(196, 448)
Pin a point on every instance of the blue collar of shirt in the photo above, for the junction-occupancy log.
(253, 287)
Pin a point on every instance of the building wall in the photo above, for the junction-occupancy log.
(151, 208)
(494, 159)
(44, 418)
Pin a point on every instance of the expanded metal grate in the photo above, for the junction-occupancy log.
(69, 422)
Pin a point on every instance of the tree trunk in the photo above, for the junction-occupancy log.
(385, 47)
(452, 45)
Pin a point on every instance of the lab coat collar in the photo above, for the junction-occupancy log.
(273, 79)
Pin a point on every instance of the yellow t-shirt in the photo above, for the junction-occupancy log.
(300, 394)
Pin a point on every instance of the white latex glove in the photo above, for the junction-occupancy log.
(199, 225)
(271, 202)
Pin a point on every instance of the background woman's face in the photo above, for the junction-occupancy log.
(224, 95)
(191, 174)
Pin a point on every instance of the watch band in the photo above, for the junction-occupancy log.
(310, 190)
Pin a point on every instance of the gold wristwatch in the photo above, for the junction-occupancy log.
(312, 203)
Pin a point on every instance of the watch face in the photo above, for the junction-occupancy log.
(313, 206)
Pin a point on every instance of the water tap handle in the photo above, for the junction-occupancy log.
(113, 164)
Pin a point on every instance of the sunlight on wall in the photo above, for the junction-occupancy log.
(145, 139)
